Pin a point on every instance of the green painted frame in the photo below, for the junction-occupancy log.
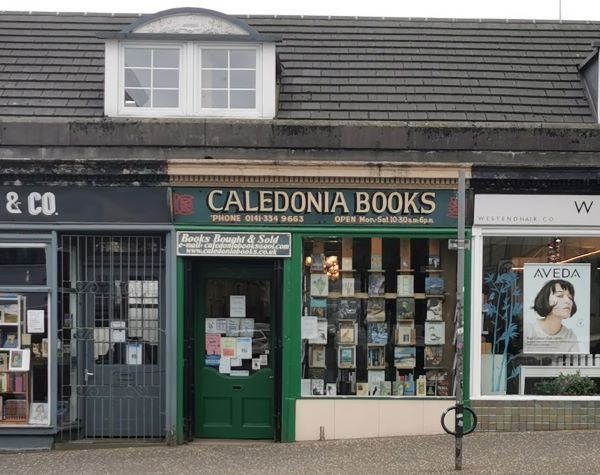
(291, 303)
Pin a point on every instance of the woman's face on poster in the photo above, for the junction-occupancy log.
(561, 302)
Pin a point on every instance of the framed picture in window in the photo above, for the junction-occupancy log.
(19, 360)
(346, 357)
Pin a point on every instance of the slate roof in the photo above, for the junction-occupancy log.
(51, 65)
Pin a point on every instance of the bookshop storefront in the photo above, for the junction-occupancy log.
(82, 314)
(536, 314)
(316, 312)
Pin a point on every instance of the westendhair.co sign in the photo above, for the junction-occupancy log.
(315, 206)
(225, 244)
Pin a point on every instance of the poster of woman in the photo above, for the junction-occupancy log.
(556, 308)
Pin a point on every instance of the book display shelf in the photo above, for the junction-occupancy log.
(376, 316)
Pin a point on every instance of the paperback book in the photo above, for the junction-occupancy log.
(405, 308)
(434, 285)
(376, 285)
(377, 333)
(376, 310)
(405, 357)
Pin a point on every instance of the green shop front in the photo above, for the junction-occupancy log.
(309, 313)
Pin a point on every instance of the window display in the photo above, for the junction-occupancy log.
(23, 358)
(377, 317)
(540, 312)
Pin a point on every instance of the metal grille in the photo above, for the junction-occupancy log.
(111, 331)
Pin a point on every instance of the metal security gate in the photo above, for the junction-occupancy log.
(111, 337)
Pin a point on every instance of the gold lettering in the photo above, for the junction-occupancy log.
(315, 202)
(298, 202)
(428, 198)
(282, 201)
(395, 202)
(362, 202)
(233, 200)
(409, 202)
(210, 200)
(265, 199)
(379, 202)
(339, 200)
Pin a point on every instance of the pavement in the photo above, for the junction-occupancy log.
(561, 452)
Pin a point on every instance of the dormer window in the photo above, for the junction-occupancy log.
(158, 68)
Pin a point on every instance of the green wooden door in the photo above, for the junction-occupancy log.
(235, 305)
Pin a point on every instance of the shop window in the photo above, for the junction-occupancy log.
(24, 359)
(540, 314)
(377, 317)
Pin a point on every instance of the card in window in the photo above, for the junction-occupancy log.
(317, 387)
(405, 308)
(376, 285)
(346, 357)
(319, 286)
(406, 285)
(376, 310)
(316, 356)
(405, 335)
(347, 333)
(348, 309)
(405, 357)
(435, 333)
(233, 326)
(376, 357)
(377, 333)
(435, 309)
(434, 356)
(321, 337)
(348, 286)
(434, 286)
(362, 389)
(247, 327)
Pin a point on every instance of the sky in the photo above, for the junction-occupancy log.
(513, 9)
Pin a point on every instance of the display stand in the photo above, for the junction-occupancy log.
(14, 363)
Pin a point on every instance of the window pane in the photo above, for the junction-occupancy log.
(164, 98)
(214, 79)
(243, 79)
(214, 99)
(139, 57)
(137, 78)
(242, 58)
(166, 78)
(166, 58)
(22, 266)
(529, 284)
(214, 58)
(243, 100)
(137, 97)
(357, 341)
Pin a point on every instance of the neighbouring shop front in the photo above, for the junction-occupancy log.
(535, 351)
(83, 305)
(313, 312)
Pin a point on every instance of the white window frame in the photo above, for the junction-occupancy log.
(154, 111)
(479, 233)
(226, 112)
(190, 80)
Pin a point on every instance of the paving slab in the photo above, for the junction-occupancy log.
(561, 452)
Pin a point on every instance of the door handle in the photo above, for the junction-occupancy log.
(236, 387)
(86, 375)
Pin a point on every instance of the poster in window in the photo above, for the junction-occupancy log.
(556, 308)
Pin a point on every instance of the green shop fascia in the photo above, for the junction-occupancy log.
(290, 297)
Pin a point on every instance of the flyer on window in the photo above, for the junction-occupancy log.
(556, 308)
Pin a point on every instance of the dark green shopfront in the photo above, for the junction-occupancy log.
(314, 312)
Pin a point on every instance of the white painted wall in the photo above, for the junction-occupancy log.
(363, 418)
